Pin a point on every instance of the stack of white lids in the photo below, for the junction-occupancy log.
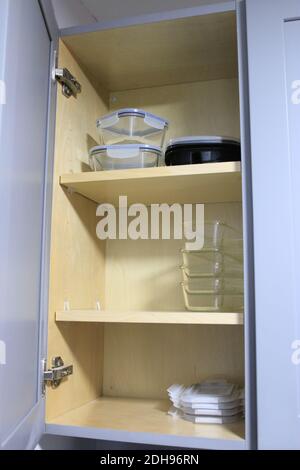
(208, 402)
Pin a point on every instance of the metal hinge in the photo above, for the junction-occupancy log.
(57, 372)
(70, 86)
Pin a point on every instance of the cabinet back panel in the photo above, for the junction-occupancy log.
(77, 256)
(142, 361)
(200, 108)
(146, 275)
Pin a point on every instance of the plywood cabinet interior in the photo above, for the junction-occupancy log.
(76, 256)
(124, 364)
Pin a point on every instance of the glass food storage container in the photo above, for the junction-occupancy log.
(212, 301)
(121, 157)
(212, 262)
(132, 125)
(215, 284)
(217, 235)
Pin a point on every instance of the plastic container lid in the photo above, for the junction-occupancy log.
(212, 419)
(111, 119)
(125, 151)
(203, 139)
(209, 412)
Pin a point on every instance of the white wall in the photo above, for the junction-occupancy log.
(75, 12)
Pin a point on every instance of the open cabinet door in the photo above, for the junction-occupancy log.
(273, 28)
(25, 172)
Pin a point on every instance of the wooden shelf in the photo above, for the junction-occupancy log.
(203, 183)
(184, 318)
(143, 416)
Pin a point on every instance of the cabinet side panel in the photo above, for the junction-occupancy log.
(77, 256)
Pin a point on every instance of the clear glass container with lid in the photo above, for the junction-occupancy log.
(121, 157)
(211, 300)
(131, 125)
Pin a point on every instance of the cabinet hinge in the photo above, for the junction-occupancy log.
(57, 372)
(70, 86)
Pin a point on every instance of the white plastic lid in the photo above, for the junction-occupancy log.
(125, 151)
(203, 139)
(113, 118)
(211, 392)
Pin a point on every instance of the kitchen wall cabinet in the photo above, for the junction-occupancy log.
(113, 309)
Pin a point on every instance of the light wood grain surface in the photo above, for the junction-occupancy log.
(210, 182)
(194, 318)
(147, 416)
(200, 108)
(143, 360)
(178, 51)
(77, 257)
(133, 364)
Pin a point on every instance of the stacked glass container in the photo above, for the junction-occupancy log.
(132, 138)
(213, 276)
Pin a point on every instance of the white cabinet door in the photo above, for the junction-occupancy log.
(273, 30)
(25, 52)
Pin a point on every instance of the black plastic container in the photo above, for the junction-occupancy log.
(192, 150)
